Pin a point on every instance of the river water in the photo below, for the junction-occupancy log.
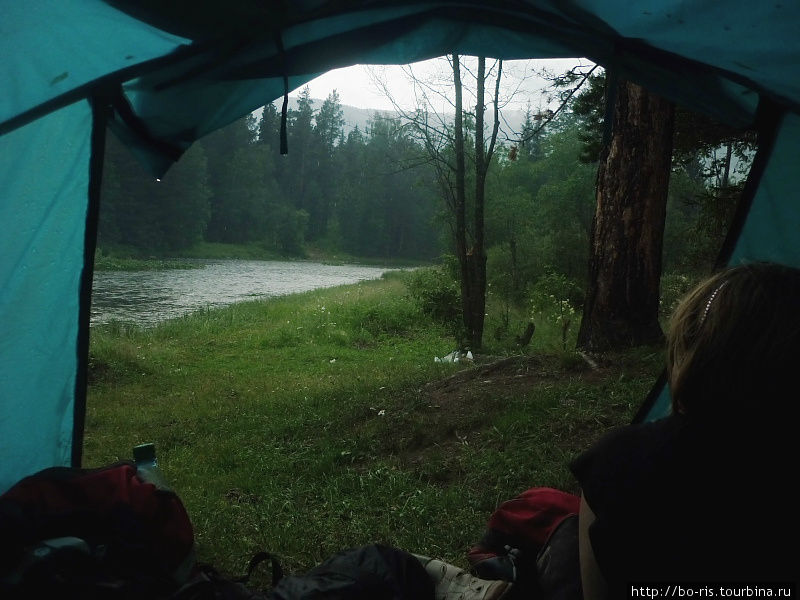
(149, 297)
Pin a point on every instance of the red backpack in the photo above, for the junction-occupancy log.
(93, 533)
(532, 541)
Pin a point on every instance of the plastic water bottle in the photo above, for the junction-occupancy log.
(144, 456)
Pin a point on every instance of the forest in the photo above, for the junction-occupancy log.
(375, 193)
(362, 194)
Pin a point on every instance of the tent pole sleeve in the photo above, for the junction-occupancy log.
(768, 122)
(284, 109)
(98, 143)
(652, 396)
(137, 126)
(284, 138)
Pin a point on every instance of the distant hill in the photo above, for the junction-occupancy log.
(360, 117)
(510, 120)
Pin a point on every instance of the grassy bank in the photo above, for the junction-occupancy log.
(126, 258)
(211, 250)
(216, 250)
(116, 263)
(327, 256)
(306, 424)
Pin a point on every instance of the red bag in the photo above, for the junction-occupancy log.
(518, 531)
(106, 527)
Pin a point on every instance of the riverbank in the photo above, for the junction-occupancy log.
(305, 424)
(148, 297)
(112, 263)
(130, 259)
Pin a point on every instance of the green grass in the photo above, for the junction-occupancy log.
(218, 250)
(307, 424)
(329, 256)
(128, 258)
(114, 263)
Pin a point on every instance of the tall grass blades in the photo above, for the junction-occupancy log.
(306, 424)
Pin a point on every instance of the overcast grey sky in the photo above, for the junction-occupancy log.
(356, 85)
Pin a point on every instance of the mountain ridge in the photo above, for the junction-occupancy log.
(511, 120)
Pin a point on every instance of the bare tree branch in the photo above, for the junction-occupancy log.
(552, 115)
(496, 125)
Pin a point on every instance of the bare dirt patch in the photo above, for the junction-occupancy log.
(432, 424)
(463, 398)
(452, 412)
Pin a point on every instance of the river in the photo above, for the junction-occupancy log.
(149, 297)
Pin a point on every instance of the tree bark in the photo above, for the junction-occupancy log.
(622, 302)
(476, 257)
(461, 200)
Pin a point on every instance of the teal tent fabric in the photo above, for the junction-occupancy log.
(747, 40)
(45, 176)
(385, 32)
(772, 229)
(55, 50)
(163, 74)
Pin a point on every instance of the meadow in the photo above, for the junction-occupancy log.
(311, 423)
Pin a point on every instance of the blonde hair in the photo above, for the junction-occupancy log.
(733, 341)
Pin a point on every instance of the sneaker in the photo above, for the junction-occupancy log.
(454, 583)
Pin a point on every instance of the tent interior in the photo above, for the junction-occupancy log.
(162, 75)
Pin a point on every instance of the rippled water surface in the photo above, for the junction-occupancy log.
(148, 297)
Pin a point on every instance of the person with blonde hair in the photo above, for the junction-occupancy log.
(702, 495)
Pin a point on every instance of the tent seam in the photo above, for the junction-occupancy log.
(768, 120)
(100, 110)
(91, 88)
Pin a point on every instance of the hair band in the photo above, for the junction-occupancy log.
(710, 300)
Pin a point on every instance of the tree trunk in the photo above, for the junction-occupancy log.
(461, 200)
(622, 301)
(726, 171)
(476, 257)
(470, 249)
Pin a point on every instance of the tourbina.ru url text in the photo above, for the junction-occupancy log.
(716, 590)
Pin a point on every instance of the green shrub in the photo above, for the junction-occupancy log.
(557, 299)
(558, 285)
(436, 294)
(503, 278)
(391, 316)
